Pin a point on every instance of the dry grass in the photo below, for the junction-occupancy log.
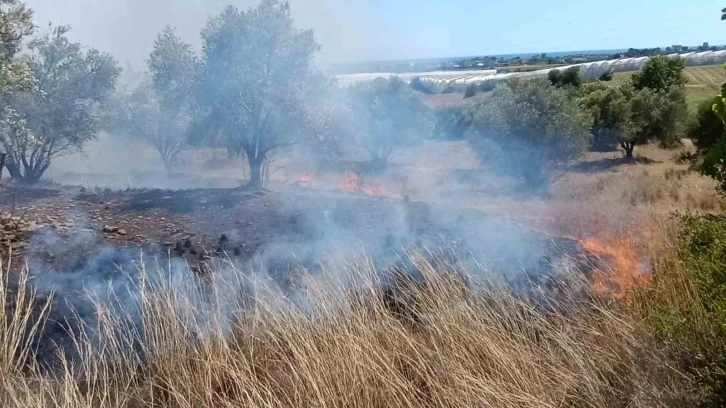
(631, 199)
(606, 198)
(347, 349)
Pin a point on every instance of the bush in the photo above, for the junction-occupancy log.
(418, 85)
(531, 123)
(606, 76)
(386, 114)
(686, 304)
(706, 128)
(713, 163)
(471, 91)
(452, 122)
(660, 73)
(554, 76)
(487, 86)
(608, 107)
(571, 76)
(655, 116)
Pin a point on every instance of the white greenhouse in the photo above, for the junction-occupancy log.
(589, 70)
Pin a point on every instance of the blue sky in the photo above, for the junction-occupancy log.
(378, 29)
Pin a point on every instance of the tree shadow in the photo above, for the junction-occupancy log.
(607, 164)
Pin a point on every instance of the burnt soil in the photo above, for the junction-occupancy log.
(239, 224)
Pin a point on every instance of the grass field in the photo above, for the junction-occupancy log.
(703, 82)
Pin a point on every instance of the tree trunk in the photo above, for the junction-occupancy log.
(255, 172)
(168, 163)
(629, 151)
(628, 147)
(3, 159)
(32, 177)
(26, 173)
(14, 170)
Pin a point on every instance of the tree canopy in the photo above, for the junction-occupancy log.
(660, 74)
(571, 76)
(16, 23)
(172, 66)
(533, 121)
(386, 114)
(654, 116)
(65, 110)
(706, 128)
(256, 73)
(160, 110)
(609, 109)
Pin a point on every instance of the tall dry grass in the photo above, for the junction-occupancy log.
(441, 344)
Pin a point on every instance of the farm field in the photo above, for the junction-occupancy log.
(703, 82)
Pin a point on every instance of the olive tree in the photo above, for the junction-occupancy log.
(387, 114)
(526, 125)
(660, 74)
(146, 116)
(609, 110)
(16, 23)
(64, 110)
(160, 110)
(653, 116)
(255, 80)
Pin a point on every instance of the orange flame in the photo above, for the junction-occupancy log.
(624, 269)
(353, 184)
(307, 179)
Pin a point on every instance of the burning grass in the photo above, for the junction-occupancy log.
(336, 345)
(344, 346)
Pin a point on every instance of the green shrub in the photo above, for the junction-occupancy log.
(571, 76)
(660, 73)
(471, 91)
(713, 163)
(418, 85)
(686, 305)
(607, 76)
(451, 123)
(487, 86)
(656, 116)
(704, 254)
(608, 107)
(705, 129)
(554, 76)
(528, 124)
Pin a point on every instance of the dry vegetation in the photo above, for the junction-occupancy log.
(448, 347)
(444, 345)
